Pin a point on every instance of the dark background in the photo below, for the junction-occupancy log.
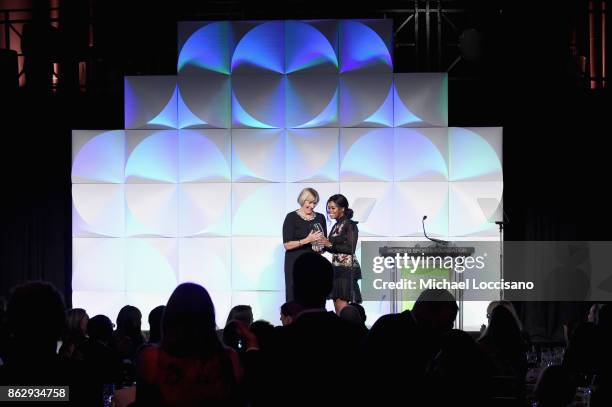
(522, 72)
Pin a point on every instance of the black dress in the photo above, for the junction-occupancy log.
(297, 228)
(347, 271)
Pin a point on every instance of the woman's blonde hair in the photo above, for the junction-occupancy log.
(308, 194)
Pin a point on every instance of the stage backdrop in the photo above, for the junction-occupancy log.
(197, 185)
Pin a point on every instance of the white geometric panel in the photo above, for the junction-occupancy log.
(260, 47)
(325, 190)
(421, 154)
(98, 210)
(413, 200)
(311, 101)
(150, 102)
(258, 155)
(98, 264)
(204, 101)
(420, 99)
(312, 155)
(258, 101)
(98, 156)
(466, 217)
(206, 261)
(145, 301)
(98, 302)
(257, 209)
(204, 209)
(151, 264)
(379, 221)
(366, 100)
(151, 210)
(265, 304)
(257, 263)
(152, 156)
(366, 154)
(475, 154)
(222, 301)
(204, 155)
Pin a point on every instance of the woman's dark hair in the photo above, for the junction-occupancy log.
(188, 323)
(342, 202)
(129, 322)
(155, 318)
(73, 328)
(100, 328)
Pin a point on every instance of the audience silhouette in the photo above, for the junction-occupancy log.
(315, 358)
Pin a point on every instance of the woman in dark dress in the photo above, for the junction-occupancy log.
(303, 231)
(342, 243)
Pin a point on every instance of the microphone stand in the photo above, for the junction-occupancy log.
(442, 242)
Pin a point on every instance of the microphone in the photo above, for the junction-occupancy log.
(443, 242)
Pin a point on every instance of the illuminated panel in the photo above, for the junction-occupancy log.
(204, 155)
(258, 264)
(260, 49)
(204, 209)
(151, 156)
(379, 220)
(475, 154)
(251, 209)
(421, 154)
(311, 100)
(258, 155)
(312, 155)
(366, 154)
(204, 47)
(365, 46)
(258, 101)
(98, 210)
(420, 99)
(206, 261)
(150, 102)
(417, 199)
(151, 210)
(151, 265)
(223, 303)
(98, 264)
(366, 100)
(204, 101)
(98, 156)
(466, 216)
(311, 46)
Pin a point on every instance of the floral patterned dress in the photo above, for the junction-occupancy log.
(347, 271)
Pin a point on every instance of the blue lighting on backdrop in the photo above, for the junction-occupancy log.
(208, 48)
(307, 47)
(361, 47)
(261, 47)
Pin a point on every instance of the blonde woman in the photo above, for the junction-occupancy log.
(303, 231)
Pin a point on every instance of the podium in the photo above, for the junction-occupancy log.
(436, 250)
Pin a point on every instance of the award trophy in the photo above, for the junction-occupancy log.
(316, 246)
